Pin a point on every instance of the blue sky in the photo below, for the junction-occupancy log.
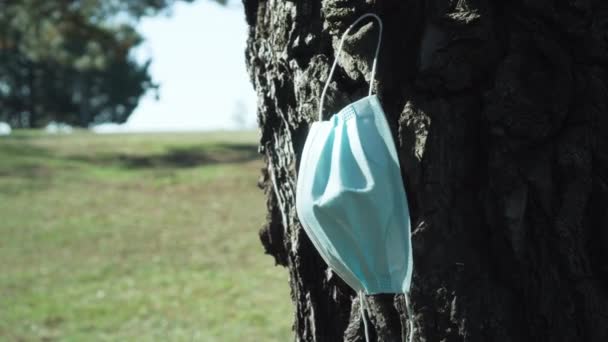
(198, 58)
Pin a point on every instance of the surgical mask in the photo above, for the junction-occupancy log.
(351, 199)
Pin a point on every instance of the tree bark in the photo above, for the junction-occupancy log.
(500, 113)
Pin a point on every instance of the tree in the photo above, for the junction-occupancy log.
(70, 60)
(500, 113)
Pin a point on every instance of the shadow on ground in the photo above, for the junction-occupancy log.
(178, 157)
(29, 161)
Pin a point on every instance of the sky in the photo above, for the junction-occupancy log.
(198, 58)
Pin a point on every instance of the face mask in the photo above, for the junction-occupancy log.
(350, 195)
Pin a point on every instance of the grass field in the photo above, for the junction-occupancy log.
(147, 237)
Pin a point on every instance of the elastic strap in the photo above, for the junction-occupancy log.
(333, 67)
(410, 317)
(361, 301)
(408, 307)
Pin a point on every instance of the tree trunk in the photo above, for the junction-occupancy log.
(500, 113)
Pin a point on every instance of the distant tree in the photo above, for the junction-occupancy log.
(70, 61)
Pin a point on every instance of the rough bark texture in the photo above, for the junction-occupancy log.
(500, 110)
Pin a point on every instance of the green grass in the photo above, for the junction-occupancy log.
(145, 237)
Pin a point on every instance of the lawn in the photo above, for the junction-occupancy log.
(143, 237)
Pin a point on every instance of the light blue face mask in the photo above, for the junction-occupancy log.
(350, 195)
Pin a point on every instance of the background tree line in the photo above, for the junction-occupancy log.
(71, 60)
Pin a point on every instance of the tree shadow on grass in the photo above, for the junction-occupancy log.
(11, 150)
(12, 160)
(178, 157)
(25, 168)
(26, 161)
(193, 156)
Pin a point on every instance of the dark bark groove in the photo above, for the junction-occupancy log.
(500, 110)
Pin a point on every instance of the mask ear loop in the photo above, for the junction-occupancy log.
(410, 317)
(333, 67)
(362, 309)
(408, 307)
